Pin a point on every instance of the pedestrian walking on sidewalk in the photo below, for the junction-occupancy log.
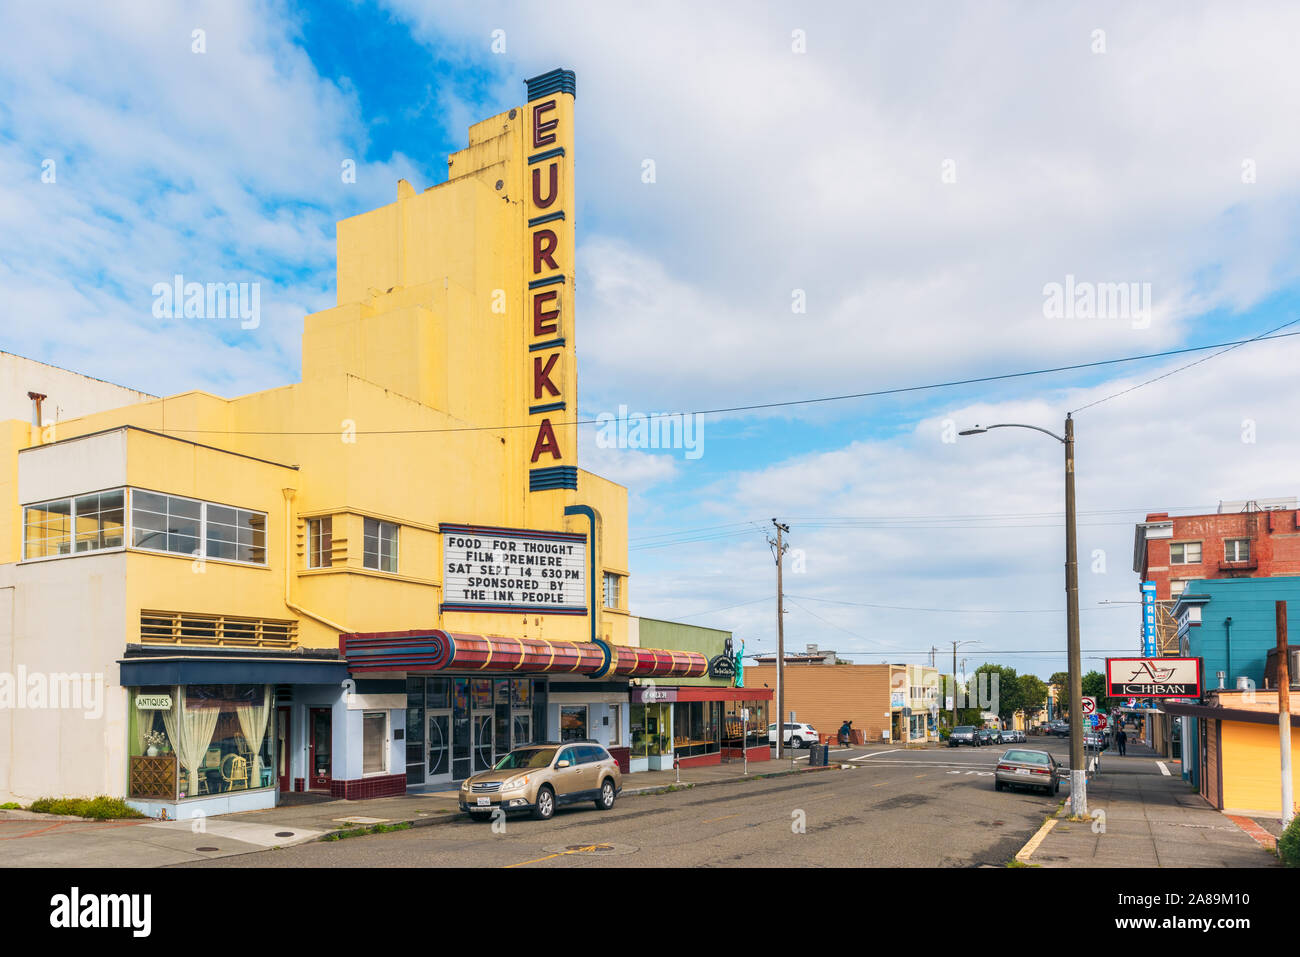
(846, 733)
(1122, 740)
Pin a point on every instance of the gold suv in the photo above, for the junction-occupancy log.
(540, 777)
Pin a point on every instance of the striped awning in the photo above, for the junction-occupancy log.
(438, 650)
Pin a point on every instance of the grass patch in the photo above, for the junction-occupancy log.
(1017, 862)
(101, 807)
(363, 831)
(11, 806)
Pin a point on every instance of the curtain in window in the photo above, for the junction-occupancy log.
(190, 732)
(252, 725)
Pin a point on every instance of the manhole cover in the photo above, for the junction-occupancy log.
(594, 848)
(207, 848)
(284, 833)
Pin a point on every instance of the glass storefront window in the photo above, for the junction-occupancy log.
(439, 693)
(734, 726)
(696, 728)
(573, 722)
(415, 689)
(198, 740)
(374, 742)
(649, 724)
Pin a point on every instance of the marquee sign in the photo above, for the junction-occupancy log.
(507, 569)
(1153, 677)
(548, 279)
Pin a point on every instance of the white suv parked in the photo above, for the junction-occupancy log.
(796, 735)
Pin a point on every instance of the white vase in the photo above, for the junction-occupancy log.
(151, 751)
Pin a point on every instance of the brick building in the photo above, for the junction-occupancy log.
(1250, 539)
(881, 698)
(1256, 539)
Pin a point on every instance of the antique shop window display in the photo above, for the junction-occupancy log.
(200, 740)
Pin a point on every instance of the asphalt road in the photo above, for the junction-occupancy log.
(892, 809)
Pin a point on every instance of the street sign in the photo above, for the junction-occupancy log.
(1094, 719)
(1089, 705)
(1099, 722)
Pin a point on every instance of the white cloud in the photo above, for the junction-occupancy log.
(978, 523)
(821, 171)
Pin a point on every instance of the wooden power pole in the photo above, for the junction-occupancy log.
(1284, 713)
(779, 547)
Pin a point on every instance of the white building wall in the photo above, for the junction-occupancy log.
(69, 394)
(60, 617)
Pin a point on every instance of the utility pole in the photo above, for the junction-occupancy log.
(1284, 713)
(955, 644)
(779, 548)
(1078, 770)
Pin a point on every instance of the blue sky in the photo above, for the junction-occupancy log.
(823, 171)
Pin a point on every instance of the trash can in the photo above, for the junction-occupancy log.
(819, 755)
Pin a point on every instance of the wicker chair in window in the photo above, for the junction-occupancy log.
(237, 773)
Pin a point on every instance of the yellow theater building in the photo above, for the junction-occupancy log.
(380, 578)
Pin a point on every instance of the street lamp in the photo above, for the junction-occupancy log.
(1078, 771)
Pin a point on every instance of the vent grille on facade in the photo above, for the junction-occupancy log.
(283, 694)
(183, 628)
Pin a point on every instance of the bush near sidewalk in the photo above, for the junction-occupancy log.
(101, 807)
(1288, 845)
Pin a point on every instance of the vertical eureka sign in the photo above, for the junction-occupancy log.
(548, 274)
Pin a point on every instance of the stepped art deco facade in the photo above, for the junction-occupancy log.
(379, 578)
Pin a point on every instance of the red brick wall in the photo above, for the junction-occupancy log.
(360, 789)
(1274, 546)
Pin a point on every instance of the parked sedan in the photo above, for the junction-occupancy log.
(1020, 767)
(989, 735)
(1008, 736)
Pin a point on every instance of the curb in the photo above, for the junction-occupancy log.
(1024, 853)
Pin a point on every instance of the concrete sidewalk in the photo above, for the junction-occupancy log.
(1142, 817)
(44, 840)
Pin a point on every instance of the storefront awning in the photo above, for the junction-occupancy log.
(438, 650)
(226, 670)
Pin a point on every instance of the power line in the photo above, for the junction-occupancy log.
(828, 520)
(951, 383)
(964, 611)
(1235, 345)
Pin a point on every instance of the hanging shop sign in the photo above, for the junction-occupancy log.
(505, 569)
(1149, 619)
(1153, 677)
(153, 702)
(722, 667)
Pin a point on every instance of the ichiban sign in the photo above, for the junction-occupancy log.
(1153, 677)
(506, 569)
(548, 276)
